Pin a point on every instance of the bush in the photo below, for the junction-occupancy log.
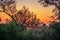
(8, 31)
(12, 32)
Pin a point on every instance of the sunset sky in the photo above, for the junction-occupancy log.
(33, 5)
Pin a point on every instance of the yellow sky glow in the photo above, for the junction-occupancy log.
(41, 12)
(33, 5)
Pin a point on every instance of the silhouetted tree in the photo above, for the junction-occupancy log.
(54, 24)
(26, 18)
(9, 8)
(56, 3)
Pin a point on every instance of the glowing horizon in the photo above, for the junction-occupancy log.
(33, 5)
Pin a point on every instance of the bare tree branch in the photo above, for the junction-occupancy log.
(56, 3)
(4, 5)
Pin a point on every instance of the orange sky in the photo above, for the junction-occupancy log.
(33, 5)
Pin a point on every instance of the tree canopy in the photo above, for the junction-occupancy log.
(56, 3)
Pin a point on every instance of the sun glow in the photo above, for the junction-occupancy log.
(42, 13)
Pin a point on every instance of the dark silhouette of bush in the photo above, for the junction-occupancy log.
(8, 31)
(12, 32)
(56, 26)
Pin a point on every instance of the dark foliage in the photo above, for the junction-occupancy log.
(29, 27)
(12, 32)
(27, 19)
(56, 3)
(56, 26)
(8, 31)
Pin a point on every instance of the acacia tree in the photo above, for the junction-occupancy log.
(56, 3)
(9, 8)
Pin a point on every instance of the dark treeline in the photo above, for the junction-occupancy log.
(30, 28)
(25, 25)
(12, 32)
